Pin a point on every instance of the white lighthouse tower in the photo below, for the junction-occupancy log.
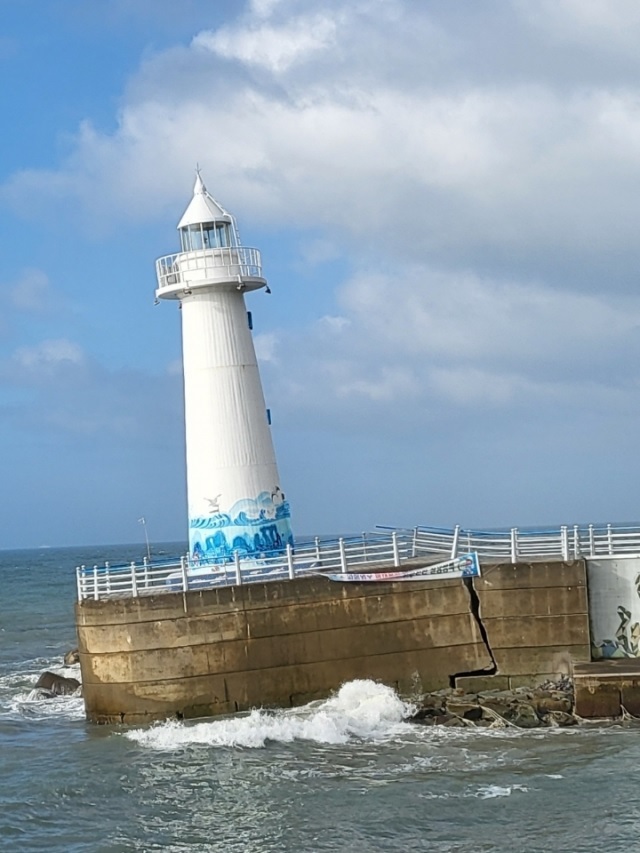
(233, 488)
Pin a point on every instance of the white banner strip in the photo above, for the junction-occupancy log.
(464, 566)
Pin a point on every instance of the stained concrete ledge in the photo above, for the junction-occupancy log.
(609, 688)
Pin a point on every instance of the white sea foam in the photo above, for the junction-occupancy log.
(34, 705)
(488, 792)
(361, 709)
(19, 695)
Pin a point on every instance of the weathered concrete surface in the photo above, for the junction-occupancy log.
(280, 643)
(536, 620)
(284, 643)
(608, 688)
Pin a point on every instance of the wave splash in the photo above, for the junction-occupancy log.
(19, 697)
(361, 709)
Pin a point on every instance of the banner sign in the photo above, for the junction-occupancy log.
(464, 566)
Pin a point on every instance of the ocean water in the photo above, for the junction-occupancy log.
(346, 774)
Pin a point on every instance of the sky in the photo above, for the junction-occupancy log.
(446, 195)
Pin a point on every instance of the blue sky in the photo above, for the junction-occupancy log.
(446, 197)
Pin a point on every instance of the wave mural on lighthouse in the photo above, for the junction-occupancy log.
(253, 527)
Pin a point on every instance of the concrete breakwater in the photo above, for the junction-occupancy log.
(284, 643)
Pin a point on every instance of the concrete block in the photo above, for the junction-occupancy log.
(597, 699)
(482, 683)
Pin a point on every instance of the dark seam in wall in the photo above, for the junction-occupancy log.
(474, 604)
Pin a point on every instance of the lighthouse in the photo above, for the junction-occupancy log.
(235, 500)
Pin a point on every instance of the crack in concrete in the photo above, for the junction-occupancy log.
(474, 604)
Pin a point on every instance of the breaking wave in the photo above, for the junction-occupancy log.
(361, 709)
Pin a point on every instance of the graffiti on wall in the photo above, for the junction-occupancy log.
(614, 604)
(253, 527)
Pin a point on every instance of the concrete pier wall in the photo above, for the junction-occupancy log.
(284, 643)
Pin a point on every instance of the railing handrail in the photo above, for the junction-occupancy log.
(237, 260)
(386, 545)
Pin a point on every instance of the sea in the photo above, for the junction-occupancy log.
(346, 774)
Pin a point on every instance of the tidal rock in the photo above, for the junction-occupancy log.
(424, 718)
(545, 701)
(434, 702)
(468, 710)
(560, 718)
(522, 715)
(72, 657)
(452, 721)
(57, 685)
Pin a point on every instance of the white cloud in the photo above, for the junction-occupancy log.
(48, 355)
(266, 345)
(374, 125)
(461, 316)
(32, 291)
(341, 145)
(601, 24)
(435, 342)
(274, 49)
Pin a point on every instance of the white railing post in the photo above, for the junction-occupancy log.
(343, 556)
(456, 540)
(79, 583)
(238, 569)
(317, 541)
(185, 574)
(290, 566)
(134, 581)
(609, 539)
(396, 552)
(364, 545)
(564, 542)
(514, 545)
(145, 567)
(591, 541)
(107, 576)
(414, 543)
(95, 583)
(576, 541)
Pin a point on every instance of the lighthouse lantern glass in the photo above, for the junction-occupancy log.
(206, 235)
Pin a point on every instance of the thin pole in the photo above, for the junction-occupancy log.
(143, 522)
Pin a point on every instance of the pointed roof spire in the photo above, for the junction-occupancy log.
(203, 207)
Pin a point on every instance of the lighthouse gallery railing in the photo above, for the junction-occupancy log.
(385, 546)
(235, 260)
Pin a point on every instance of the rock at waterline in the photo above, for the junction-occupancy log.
(57, 685)
(548, 705)
(72, 657)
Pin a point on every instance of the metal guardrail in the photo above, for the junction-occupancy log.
(386, 546)
(342, 554)
(233, 261)
(566, 542)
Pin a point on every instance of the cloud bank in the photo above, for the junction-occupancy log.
(476, 170)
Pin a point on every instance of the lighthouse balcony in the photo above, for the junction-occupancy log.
(232, 266)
